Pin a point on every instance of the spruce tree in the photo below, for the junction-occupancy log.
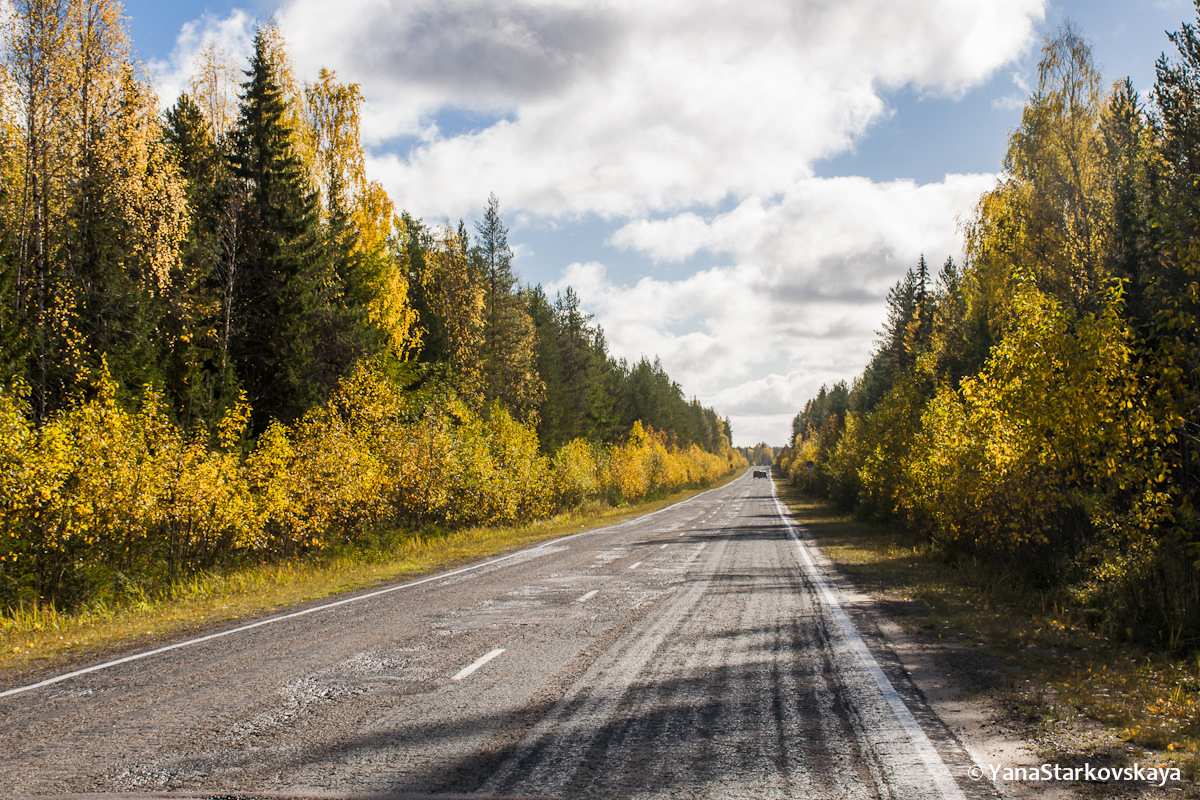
(434, 345)
(281, 295)
(195, 365)
(509, 337)
(554, 424)
(579, 358)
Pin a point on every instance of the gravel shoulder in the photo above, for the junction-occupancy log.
(994, 699)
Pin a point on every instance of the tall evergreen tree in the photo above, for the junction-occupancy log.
(955, 351)
(581, 359)
(1177, 103)
(418, 243)
(281, 292)
(571, 361)
(554, 417)
(509, 347)
(197, 366)
(1134, 186)
(607, 402)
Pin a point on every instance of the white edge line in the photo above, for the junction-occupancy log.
(587, 596)
(635, 566)
(938, 770)
(271, 620)
(479, 662)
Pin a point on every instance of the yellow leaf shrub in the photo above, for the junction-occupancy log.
(204, 506)
(576, 473)
(628, 477)
(103, 491)
(520, 468)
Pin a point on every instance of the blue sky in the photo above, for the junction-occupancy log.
(730, 187)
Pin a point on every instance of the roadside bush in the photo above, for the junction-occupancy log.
(577, 467)
(101, 500)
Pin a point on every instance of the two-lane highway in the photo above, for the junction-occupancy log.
(698, 651)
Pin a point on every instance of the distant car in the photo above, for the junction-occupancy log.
(760, 473)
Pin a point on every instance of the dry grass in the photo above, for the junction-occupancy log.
(1048, 666)
(41, 639)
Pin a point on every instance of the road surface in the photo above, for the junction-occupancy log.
(699, 652)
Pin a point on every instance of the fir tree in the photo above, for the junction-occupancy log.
(281, 295)
(509, 346)
(434, 346)
(196, 366)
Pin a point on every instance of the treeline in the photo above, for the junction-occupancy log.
(761, 454)
(1038, 406)
(220, 340)
(541, 359)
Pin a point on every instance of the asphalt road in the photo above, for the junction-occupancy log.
(700, 651)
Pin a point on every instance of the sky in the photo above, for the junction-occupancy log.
(730, 187)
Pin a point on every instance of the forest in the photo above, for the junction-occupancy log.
(1037, 406)
(221, 343)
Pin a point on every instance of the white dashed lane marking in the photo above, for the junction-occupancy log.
(479, 662)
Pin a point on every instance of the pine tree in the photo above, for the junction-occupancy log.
(1177, 103)
(903, 316)
(607, 401)
(950, 343)
(580, 359)
(921, 327)
(570, 364)
(1135, 179)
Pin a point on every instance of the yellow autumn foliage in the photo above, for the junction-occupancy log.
(1053, 437)
(644, 465)
(102, 493)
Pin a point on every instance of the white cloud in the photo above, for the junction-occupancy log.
(520, 250)
(1010, 103)
(1022, 84)
(800, 303)
(1014, 102)
(234, 34)
(625, 107)
(817, 223)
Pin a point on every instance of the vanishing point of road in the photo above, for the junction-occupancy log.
(702, 651)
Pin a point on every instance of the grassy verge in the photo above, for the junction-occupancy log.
(1077, 691)
(37, 640)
